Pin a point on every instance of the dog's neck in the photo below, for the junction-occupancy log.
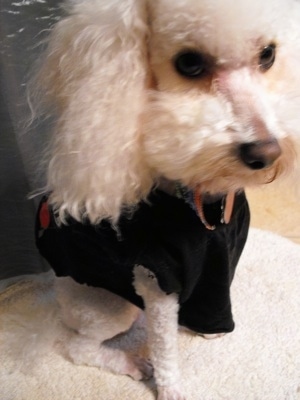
(196, 199)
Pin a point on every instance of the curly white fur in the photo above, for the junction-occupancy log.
(161, 313)
(93, 316)
(95, 72)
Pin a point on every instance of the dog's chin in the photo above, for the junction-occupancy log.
(223, 181)
(223, 184)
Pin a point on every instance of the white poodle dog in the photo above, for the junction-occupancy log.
(166, 110)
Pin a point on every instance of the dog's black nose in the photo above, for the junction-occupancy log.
(260, 154)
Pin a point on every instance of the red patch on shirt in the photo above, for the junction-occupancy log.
(44, 216)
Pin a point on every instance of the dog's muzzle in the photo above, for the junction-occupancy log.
(260, 154)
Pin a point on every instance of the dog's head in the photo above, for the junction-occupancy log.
(198, 91)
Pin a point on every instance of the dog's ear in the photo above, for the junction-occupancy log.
(95, 73)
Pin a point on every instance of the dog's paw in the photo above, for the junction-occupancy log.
(173, 392)
(211, 336)
(139, 368)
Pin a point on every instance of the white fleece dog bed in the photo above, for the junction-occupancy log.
(260, 360)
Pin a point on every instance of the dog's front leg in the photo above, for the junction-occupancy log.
(162, 325)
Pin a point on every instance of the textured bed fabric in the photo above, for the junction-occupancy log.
(259, 360)
(166, 236)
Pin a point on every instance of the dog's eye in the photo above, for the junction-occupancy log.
(267, 57)
(190, 64)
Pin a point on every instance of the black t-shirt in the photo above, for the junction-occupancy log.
(165, 235)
